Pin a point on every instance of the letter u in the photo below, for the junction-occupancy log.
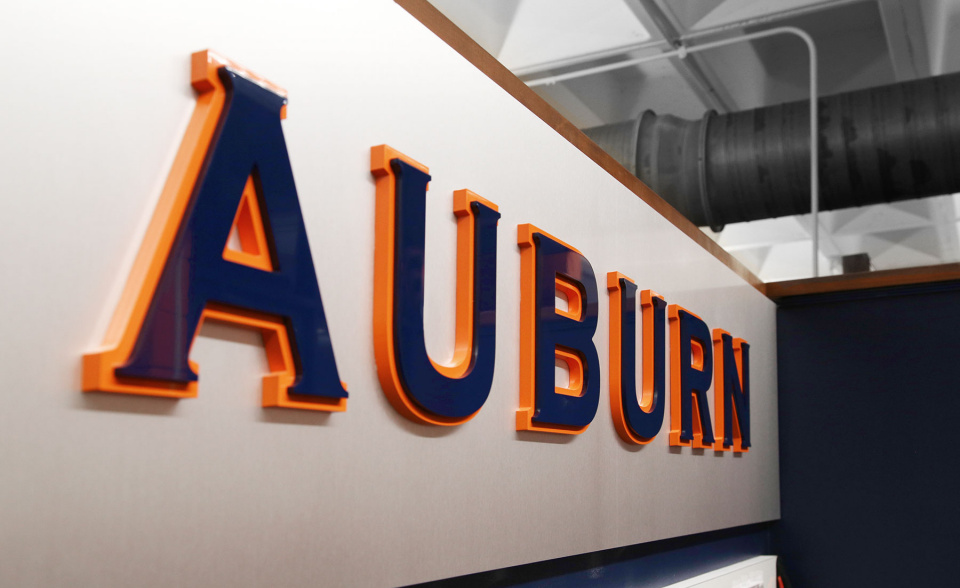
(637, 418)
(417, 386)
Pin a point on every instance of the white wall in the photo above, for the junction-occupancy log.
(110, 490)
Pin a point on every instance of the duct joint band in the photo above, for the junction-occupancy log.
(702, 168)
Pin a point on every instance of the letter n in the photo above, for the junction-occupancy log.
(549, 335)
(691, 370)
(232, 173)
(731, 392)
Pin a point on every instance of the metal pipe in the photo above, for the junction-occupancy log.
(814, 119)
(884, 144)
(683, 51)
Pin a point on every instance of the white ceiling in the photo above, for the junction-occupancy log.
(861, 44)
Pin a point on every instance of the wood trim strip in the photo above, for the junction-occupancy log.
(863, 281)
(440, 25)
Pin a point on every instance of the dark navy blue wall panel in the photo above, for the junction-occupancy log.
(649, 565)
(869, 389)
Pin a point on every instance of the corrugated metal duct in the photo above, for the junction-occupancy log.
(883, 144)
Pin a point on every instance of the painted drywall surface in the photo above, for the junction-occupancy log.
(114, 490)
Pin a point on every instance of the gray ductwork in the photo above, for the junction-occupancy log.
(878, 145)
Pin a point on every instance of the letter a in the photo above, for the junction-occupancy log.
(232, 173)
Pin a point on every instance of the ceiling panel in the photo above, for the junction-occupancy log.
(550, 30)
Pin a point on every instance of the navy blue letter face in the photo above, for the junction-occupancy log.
(248, 143)
(550, 335)
(421, 389)
(637, 417)
(732, 391)
(691, 371)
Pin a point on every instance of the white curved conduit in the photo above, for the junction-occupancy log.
(685, 50)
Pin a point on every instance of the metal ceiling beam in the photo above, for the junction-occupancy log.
(903, 27)
(547, 66)
(773, 16)
(692, 67)
(730, 27)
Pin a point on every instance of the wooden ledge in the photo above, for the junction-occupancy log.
(862, 281)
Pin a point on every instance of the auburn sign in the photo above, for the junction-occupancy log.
(232, 174)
